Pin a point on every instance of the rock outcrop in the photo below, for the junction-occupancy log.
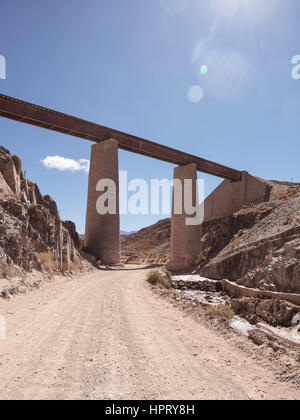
(257, 247)
(32, 235)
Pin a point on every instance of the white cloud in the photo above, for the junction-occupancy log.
(84, 165)
(65, 164)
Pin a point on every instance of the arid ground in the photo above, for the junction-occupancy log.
(106, 335)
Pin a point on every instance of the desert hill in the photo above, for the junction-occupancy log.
(151, 244)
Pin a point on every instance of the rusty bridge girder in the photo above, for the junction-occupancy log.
(49, 119)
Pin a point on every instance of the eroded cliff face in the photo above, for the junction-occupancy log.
(257, 247)
(32, 234)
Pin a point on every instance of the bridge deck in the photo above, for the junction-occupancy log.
(28, 113)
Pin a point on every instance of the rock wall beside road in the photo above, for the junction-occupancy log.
(32, 234)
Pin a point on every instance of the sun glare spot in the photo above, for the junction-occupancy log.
(195, 94)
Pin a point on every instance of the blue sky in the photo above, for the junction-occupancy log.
(129, 64)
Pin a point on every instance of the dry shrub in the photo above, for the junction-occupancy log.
(65, 267)
(290, 193)
(8, 271)
(48, 262)
(76, 264)
(156, 279)
(221, 311)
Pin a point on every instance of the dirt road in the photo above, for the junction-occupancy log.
(107, 336)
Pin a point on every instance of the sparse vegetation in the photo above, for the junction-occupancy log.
(48, 262)
(221, 311)
(157, 279)
(8, 271)
(290, 193)
(65, 267)
(77, 264)
(168, 274)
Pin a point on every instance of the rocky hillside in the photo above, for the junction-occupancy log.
(32, 235)
(257, 247)
(151, 244)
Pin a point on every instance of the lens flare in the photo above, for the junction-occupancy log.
(204, 70)
(195, 94)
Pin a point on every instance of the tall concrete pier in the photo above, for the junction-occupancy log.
(185, 239)
(102, 234)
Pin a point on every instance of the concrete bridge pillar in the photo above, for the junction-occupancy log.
(102, 233)
(185, 239)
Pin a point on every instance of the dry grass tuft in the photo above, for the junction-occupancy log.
(290, 193)
(157, 279)
(221, 311)
(48, 262)
(75, 265)
(8, 271)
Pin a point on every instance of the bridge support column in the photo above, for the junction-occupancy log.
(185, 239)
(102, 233)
